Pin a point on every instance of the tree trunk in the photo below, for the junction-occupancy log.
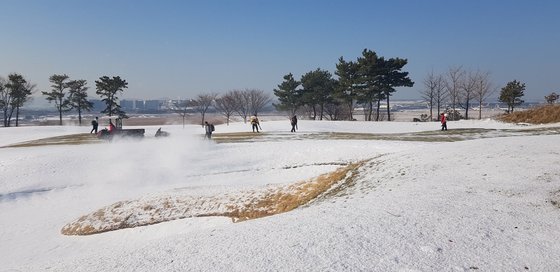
(388, 109)
(370, 110)
(350, 108)
(378, 110)
(80, 116)
(480, 110)
(17, 116)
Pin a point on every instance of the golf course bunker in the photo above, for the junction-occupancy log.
(240, 206)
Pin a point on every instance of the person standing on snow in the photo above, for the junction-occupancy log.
(255, 123)
(293, 121)
(94, 124)
(443, 120)
(111, 126)
(209, 128)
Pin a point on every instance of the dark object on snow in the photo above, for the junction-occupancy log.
(94, 124)
(208, 128)
(160, 133)
(113, 131)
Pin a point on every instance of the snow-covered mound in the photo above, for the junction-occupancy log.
(487, 204)
(239, 206)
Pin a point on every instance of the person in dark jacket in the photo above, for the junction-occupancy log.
(95, 125)
(293, 121)
(208, 128)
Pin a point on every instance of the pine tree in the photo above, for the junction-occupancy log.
(108, 88)
(57, 94)
(511, 94)
(288, 95)
(318, 89)
(346, 90)
(369, 88)
(19, 92)
(77, 97)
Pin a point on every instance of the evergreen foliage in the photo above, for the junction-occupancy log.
(78, 97)
(511, 94)
(58, 93)
(318, 90)
(16, 92)
(551, 98)
(346, 89)
(289, 97)
(108, 89)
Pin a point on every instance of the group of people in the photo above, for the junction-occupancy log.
(95, 126)
(255, 124)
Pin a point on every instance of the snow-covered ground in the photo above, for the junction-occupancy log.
(483, 204)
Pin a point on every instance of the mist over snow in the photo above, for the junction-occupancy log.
(481, 204)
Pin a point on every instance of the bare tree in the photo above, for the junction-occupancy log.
(434, 93)
(455, 77)
(441, 94)
(429, 93)
(226, 105)
(468, 89)
(242, 103)
(483, 90)
(203, 102)
(258, 100)
(182, 108)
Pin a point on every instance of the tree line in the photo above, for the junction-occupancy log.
(65, 94)
(457, 88)
(461, 89)
(242, 103)
(368, 81)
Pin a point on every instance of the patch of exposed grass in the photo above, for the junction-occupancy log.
(240, 207)
(237, 137)
(72, 139)
(541, 115)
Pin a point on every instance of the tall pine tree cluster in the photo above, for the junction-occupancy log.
(368, 81)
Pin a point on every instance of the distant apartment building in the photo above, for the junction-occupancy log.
(132, 105)
(152, 105)
(98, 105)
(128, 105)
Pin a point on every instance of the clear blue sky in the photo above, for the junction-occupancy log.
(184, 48)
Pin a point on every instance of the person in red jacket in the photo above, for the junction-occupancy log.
(111, 126)
(443, 120)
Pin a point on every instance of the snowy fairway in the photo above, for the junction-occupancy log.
(482, 197)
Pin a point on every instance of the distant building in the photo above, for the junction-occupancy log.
(128, 105)
(98, 105)
(151, 105)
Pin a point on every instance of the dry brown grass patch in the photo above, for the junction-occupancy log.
(72, 139)
(240, 207)
(542, 115)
